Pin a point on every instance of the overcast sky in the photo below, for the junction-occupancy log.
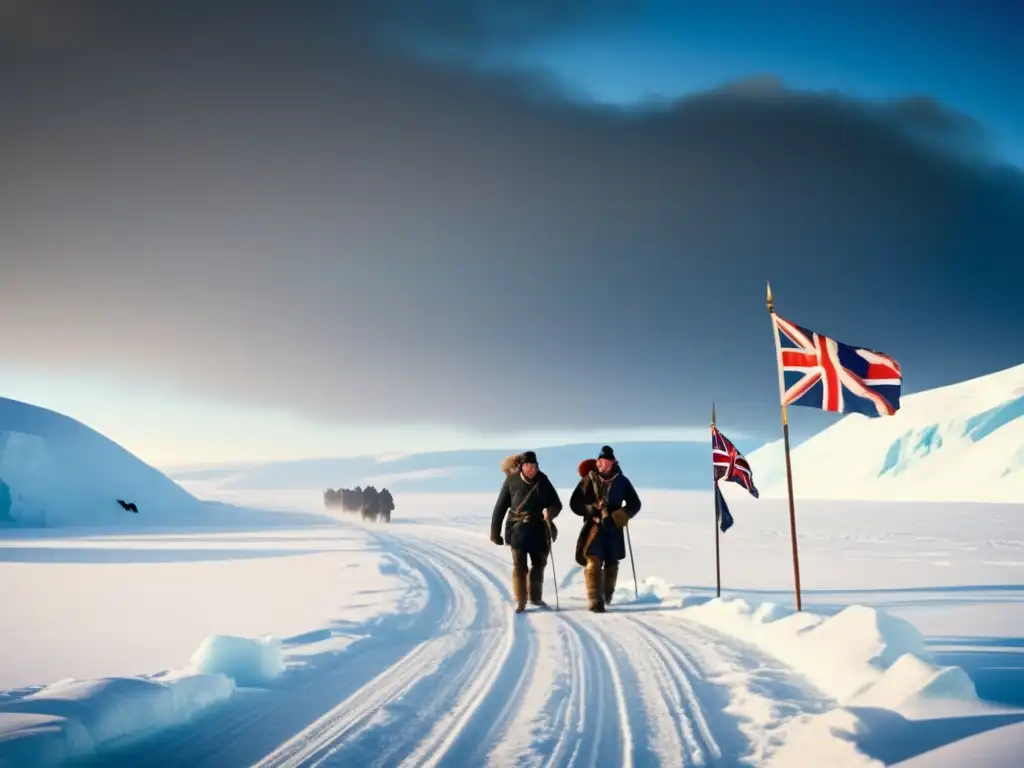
(286, 232)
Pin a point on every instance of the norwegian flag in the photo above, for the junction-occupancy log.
(729, 463)
(819, 372)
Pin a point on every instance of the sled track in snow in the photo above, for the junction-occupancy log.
(624, 694)
(442, 703)
(634, 687)
(465, 681)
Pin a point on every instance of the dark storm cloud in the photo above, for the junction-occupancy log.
(281, 209)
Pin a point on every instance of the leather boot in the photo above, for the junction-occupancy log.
(611, 574)
(595, 587)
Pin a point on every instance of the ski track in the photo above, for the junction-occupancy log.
(465, 681)
(454, 675)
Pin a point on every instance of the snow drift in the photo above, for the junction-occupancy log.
(55, 471)
(868, 662)
(963, 442)
(861, 656)
(74, 718)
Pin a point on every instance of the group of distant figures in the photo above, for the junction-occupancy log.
(370, 503)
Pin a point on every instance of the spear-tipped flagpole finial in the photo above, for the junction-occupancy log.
(771, 305)
(712, 414)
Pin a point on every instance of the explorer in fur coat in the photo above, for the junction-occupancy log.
(602, 543)
(524, 499)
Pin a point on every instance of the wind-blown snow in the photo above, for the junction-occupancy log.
(963, 442)
(57, 472)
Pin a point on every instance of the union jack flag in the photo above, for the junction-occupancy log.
(729, 463)
(819, 372)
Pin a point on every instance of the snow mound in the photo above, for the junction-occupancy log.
(247, 661)
(911, 678)
(860, 656)
(652, 590)
(74, 718)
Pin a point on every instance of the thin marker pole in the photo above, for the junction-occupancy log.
(785, 442)
(714, 490)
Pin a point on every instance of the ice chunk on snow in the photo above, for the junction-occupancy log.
(247, 661)
(73, 718)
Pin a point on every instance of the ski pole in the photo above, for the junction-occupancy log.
(632, 564)
(551, 554)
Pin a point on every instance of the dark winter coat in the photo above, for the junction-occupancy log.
(525, 528)
(606, 539)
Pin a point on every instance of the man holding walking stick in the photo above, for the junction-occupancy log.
(607, 501)
(532, 503)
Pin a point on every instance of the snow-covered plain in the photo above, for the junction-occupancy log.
(387, 645)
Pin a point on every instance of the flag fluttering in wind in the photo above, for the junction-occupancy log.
(730, 465)
(819, 372)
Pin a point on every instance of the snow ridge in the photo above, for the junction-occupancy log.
(962, 442)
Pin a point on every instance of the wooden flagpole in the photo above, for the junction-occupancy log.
(785, 442)
(714, 489)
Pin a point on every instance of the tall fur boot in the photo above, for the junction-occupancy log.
(519, 589)
(538, 562)
(595, 587)
(519, 579)
(536, 587)
(611, 575)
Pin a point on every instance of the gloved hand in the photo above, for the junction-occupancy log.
(620, 518)
(498, 540)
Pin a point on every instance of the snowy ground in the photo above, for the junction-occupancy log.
(397, 645)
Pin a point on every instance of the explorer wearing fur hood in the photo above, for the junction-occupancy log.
(531, 502)
(607, 501)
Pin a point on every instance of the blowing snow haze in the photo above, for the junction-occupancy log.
(376, 215)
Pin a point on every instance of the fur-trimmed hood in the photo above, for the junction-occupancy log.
(590, 465)
(511, 463)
